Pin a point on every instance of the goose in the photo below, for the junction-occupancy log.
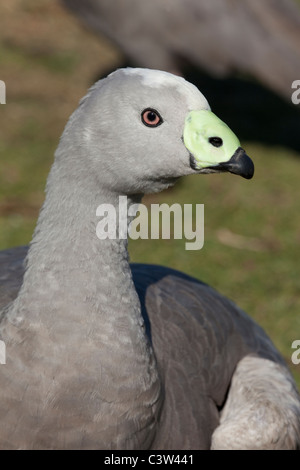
(219, 37)
(101, 354)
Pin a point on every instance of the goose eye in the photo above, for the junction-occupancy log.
(151, 117)
(215, 141)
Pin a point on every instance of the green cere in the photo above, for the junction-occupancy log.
(209, 139)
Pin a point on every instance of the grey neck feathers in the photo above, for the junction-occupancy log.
(78, 289)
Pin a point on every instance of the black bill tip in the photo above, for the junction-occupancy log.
(239, 164)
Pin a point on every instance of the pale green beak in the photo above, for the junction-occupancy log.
(213, 146)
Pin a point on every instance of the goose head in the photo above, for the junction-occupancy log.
(140, 130)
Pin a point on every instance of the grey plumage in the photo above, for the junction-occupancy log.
(104, 355)
(221, 36)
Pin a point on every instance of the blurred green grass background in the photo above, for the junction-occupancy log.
(252, 231)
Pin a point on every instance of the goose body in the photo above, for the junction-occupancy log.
(256, 38)
(101, 354)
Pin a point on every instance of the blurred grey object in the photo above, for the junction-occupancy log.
(220, 37)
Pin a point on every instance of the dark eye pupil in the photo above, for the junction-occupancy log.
(215, 141)
(151, 116)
